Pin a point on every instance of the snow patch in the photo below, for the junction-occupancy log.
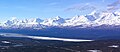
(5, 42)
(114, 46)
(94, 50)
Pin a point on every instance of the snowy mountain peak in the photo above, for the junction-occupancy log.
(54, 21)
(93, 12)
(77, 20)
(93, 15)
(14, 18)
(38, 20)
(93, 19)
(75, 17)
(58, 17)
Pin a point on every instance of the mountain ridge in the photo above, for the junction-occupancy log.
(93, 19)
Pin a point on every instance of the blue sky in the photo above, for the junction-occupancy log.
(48, 8)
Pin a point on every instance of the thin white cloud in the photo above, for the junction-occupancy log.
(80, 7)
(114, 5)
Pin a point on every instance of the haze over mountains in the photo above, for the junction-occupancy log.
(94, 19)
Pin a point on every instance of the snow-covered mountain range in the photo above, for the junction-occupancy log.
(93, 19)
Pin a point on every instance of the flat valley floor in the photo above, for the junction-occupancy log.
(8, 44)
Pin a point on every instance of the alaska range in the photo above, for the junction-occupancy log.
(94, 19)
